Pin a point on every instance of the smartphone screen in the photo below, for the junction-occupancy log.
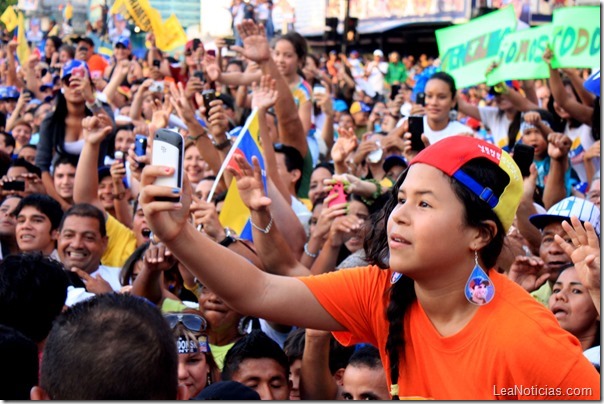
(168, 150)
(523, 156)
(14, 186)
(416, 128)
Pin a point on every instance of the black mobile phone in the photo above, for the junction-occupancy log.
(420, 99)
(229, 41)
(416, 128)
(208, 97)
(156, 63)
(199, 75)
(14, 186)
(169, 150)
(523, 156)
(394, 91)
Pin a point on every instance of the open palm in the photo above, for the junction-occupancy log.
(255, 44)
(264, 96)
(249, 183)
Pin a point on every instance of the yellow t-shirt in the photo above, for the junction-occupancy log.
(219, 353)
(121, 244)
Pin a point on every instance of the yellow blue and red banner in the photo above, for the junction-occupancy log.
(235, 214)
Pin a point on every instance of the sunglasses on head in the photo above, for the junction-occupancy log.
(192, 322)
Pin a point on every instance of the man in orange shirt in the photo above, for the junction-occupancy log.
(85, 52)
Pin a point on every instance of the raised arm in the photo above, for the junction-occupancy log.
(558, 146)
(576, 81)
(256, 48)
(85, 187)
(580, 112)
(245, 288)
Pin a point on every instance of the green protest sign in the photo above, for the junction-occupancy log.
(520, 56)
(576, 37)
(467, 50)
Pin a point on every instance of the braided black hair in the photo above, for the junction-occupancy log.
(402, 293)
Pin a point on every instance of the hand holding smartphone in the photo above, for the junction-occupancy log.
(416, 128)
(168, 150)
(338, 188)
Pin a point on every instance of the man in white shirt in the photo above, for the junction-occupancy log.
(82, 242)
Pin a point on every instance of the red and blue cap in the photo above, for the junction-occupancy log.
(72, 65)
(450, 154)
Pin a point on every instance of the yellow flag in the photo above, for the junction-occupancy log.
(22, 49)
(171, 36)
(9, 18)
(139, 11)
(118, 7)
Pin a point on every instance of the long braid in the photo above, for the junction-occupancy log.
(402, 295)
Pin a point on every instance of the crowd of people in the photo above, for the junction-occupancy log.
(385, 262)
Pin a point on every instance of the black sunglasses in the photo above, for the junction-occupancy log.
(193, 322)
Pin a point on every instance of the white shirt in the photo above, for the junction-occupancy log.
(497, 122)
(452, 129)
(377, 71)
(582, 140)
(111, 275)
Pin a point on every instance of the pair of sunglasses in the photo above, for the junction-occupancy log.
(192, 322)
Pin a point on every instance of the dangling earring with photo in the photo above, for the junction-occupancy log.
(479, 289)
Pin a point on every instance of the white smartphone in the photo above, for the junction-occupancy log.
(157, 87)
(169, 150)
(318, 89)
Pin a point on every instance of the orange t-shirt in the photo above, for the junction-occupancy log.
(513, 347)
(97, 63)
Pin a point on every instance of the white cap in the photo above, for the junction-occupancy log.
(584, 210)
(378, 52)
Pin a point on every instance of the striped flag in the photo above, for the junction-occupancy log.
(235, 214)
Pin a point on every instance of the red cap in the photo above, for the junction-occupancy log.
(450, 154)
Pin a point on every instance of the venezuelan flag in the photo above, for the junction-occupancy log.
(106, 50)
(235, 214)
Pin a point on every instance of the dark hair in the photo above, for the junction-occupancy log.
(29, 146)
(32, 169)
(300, 47)
(402, 293)
(44, 204)
(293, 160)
(366, 355)
(255, 345)
(339, 355)
(120, 339)
(448, 79)
(128, 267)
(9, 140)
(33, 289)
(65, 160)
(237, 62)
(86, 210)
(20, 371)
(69, 49)
(328, 166)
(294, 345)
(56, 41)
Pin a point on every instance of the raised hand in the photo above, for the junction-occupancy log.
(558, 145)
(264, 95)
(158, 257)
(327, 216)
(96, 128)
(166, 219)
(249, 183)
(117, 171)
(218, 122)
(204, 214)
(584, 251)
(213, 71)
(346, 144)
(343, 228)
(528, 272)
(181, 103)
(255, 44)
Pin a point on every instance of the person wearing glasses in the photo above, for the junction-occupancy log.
(196, 366)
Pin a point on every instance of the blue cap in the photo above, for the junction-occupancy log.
(340, 105)
(3, 92)
(46, 86)
(592, 84)
(122, 40)
(12, 93)
(71, 65)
